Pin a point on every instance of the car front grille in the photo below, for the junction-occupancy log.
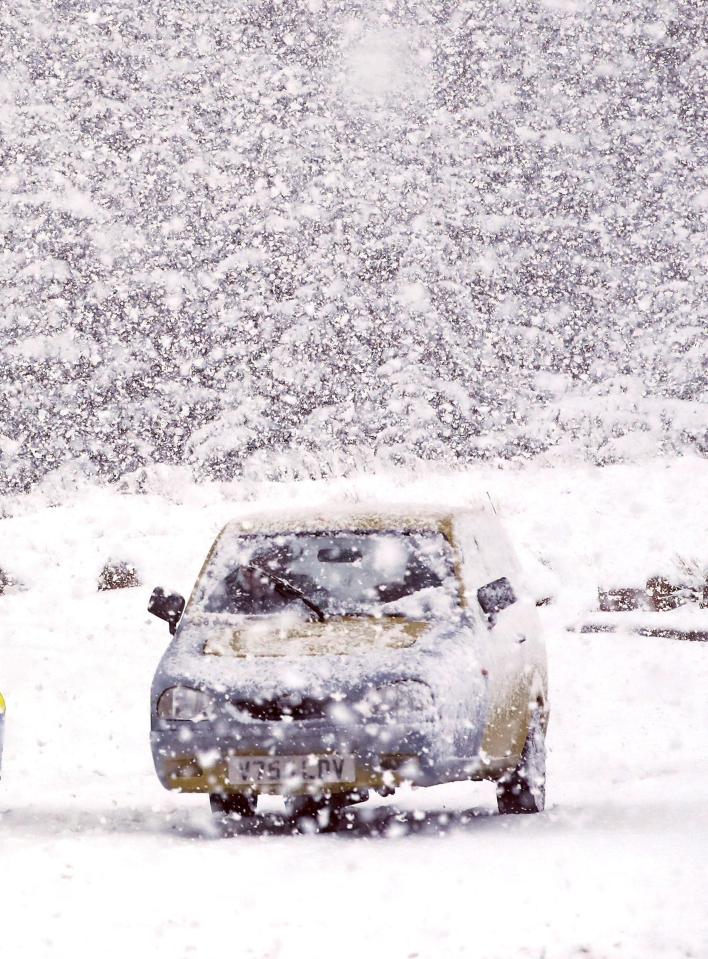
(285, 708)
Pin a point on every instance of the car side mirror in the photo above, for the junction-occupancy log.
(495, 596)
(167, 606)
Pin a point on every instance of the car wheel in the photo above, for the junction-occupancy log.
(232, 804)
(324, 813)
(524, 789)
(315, 812)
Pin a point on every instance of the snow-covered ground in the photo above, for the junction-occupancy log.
(96, 859)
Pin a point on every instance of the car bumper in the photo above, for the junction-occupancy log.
(194, 759)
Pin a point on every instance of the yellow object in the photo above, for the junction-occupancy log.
(2, 704)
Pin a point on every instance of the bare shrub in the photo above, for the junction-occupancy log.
(118, 575)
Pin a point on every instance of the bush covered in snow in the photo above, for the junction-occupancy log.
(251, 236)
(118, 574)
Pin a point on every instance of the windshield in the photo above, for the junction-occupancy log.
(408, 574)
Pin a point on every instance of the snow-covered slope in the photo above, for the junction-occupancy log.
(330, 228)
(97, 858)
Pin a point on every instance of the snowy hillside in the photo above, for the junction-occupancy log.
(274, 239)
(98, 859)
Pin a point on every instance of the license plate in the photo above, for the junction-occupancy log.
(291, 769)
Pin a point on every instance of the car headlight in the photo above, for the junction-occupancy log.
(184, 703)
(401, 701)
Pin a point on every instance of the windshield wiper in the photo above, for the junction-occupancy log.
(287, 589)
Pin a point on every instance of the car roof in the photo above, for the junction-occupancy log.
(354, 516)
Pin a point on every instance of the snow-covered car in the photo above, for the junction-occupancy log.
(325, 654)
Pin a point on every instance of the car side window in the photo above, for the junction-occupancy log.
(495, 596)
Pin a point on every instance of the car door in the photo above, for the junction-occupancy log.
(508, 620)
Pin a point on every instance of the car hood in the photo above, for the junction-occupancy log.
(335, 637)
(316, 657)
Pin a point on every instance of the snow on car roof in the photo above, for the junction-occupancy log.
(358, 516)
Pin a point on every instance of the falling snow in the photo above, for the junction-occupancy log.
(272, 239)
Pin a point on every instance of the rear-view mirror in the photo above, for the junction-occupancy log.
(339, 554)
(496, 596)
(167, 606)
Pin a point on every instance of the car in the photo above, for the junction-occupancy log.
(324, 654)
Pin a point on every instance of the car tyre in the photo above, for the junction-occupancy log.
(317, 814)
(324, 813)
(524, 789)
(232, 804)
